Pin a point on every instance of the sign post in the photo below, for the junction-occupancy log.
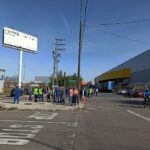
(64, 85)
(20, 68)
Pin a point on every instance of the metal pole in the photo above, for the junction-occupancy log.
(64, 86)
(20, 67)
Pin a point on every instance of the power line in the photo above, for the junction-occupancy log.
(124, 22)
(120, 36)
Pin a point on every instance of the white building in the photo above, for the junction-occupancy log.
(2, 78)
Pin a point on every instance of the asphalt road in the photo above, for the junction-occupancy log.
(109, 122)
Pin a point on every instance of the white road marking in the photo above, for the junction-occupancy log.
(16, 135)
(13, 141)
(41, 122)
(90, 108)
(16, 130)
(69, 143)
(40, 116)
(74, 124)
(138, 115)
(71, 133)
(26, 126)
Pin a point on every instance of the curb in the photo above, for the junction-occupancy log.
(40, 106)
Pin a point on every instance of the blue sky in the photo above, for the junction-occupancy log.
(50, 19)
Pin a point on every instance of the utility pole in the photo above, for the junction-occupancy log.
(81, 32)
(56, 54)
(79, 58)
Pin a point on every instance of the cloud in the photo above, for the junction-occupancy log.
(65, 21)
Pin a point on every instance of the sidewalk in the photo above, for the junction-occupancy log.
(24, 105)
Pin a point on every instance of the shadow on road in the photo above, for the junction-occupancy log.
(47, 145)
(131, 103)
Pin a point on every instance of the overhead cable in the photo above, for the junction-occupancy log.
(124, 22)
(118, 35)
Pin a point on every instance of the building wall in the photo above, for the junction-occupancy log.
(141, 76)
(2, 77)
(140, 69)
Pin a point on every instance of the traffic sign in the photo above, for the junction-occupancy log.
(73, 81)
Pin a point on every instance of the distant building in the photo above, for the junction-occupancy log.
(132, 72)
(44, 79)
(2, 79)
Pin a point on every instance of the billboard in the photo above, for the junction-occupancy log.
(16, 39)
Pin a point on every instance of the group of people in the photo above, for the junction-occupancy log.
(88, 92)
(73, 95)
(38, 94)
(56, 94)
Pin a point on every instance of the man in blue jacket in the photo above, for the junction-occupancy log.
(17, 94)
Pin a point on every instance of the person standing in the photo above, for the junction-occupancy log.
(40, 94)
(53, 94)
(90, 92)
(17, 94)
(35, 94)
(96, 91)
(70, 96)
(49, 94)
(30, 93)
(57, 92)
(61, 94)
(75, 96)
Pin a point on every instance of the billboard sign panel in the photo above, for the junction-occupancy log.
(18, 39)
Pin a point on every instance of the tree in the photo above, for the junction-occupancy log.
(10, 82)
(51, 80)
(70, 80)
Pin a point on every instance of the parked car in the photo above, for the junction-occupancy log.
(131, 93)
(139, 93)
(122, 91)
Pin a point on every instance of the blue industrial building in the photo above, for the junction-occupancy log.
(135, 71)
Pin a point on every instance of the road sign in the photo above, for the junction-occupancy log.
(72, 81)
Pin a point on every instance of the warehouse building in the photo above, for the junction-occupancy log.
(135, 71)
(2, 75)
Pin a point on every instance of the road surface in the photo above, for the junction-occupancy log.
(110, 122)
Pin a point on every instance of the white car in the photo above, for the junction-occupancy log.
(122, 91)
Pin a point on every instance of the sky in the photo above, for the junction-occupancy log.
(104, 46)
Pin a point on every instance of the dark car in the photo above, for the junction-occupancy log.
(131, 93)
(12, 93)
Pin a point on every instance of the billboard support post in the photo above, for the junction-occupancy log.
(20, 67)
